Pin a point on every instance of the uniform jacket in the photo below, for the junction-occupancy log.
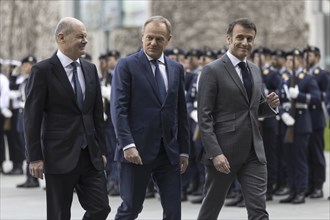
(309, 94)
(317, 111)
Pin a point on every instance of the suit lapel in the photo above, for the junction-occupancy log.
(146, 68)
(60, 74)
(233, 74)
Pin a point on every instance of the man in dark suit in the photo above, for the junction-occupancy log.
(63, 122)
(149, 114)
(229, 103)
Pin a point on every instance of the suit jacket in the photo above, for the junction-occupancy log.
(54, 124)
(228, 121)
(140, 117)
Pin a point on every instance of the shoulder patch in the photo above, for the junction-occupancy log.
(285, 76)
(317, 71)
(301, 75)
(265, 72)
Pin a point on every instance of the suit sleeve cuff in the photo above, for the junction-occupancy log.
(184, 155)
(129, 146)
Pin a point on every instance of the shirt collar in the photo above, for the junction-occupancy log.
(65, 60)
(234, 60)
(161, 59)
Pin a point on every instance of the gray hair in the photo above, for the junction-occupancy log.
(161, 19)
(65, 26)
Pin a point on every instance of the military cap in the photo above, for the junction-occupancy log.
(222, 51)
(210, 53)
(278, 53)
(102, 56)
(294, 52)
(113, 53)
(195, 53)
(312, 49)
(265, 50)
(177, 51)
(167, 52)
(29, 59)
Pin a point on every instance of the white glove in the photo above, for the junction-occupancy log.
(266, 91)
(21, 104)
(14, 94)
(106, 91)
(193, 115)
(287, 119)
(105, 116)
(294, 92)
(6, 113)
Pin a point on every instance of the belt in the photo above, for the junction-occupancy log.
(299, 105)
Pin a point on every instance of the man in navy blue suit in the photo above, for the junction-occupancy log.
(149, 114)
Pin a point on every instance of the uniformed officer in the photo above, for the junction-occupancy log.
(5, 112)
(196, 146)
(268, 126)
(27, 63)
(194, 60)
(279, 62)
(16, 149)
(304, 93)
(112, 57)
(319, 114)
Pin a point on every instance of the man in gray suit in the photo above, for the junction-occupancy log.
(230, 100)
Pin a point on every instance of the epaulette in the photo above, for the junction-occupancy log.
(285, 76)
(301, 75)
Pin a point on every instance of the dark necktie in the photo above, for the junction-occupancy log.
(159, 80)
(77, 87)
(246, 79)
(80, 100)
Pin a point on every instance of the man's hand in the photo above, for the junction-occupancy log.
(221, 164)
(132, 155)
(36, 169)
(273, 100)
(183, 164)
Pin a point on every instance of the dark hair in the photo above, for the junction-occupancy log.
(161, 19)
(246, 23)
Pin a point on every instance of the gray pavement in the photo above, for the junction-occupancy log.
(30, 204)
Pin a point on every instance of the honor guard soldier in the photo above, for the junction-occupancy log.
(268, 126)
(178, 55)
(5, 113)
(301, 90)
(279, 63)
(27, 63)
(319, 114)
(112, 58)
(196, 146)
(16, 149)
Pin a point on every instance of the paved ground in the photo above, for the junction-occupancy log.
(29, 204)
